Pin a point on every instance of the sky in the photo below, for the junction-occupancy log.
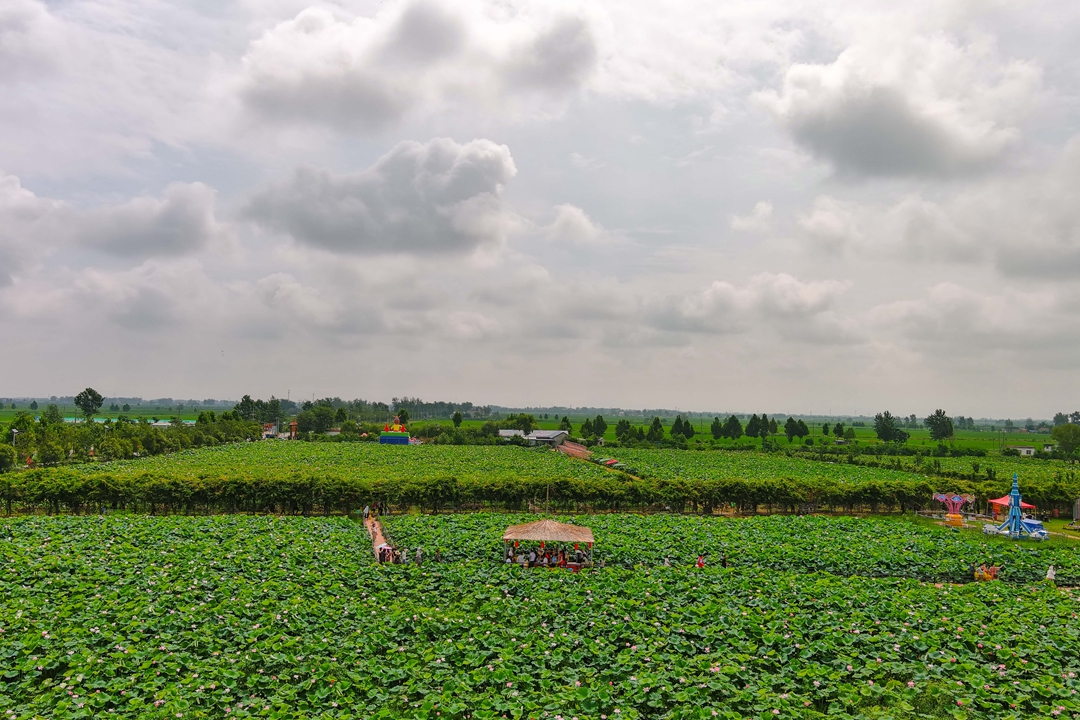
(805, 207)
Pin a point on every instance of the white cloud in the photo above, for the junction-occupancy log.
(180, 222)
(412, 58)
(1025, 225)
(440, 196)
(27, 223)
(900, 104)
(757, 221)
(29, 38)
(573, 225)
(768, 297)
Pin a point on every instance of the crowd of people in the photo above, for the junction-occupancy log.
(401, 556)
(559, 557)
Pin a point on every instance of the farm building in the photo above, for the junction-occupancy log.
(511, 433)
(548, 437)
(1025, 450)
(1049, 447)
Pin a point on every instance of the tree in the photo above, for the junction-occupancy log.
(688, 429)
(676, 427)
(587, 428)
(403, 416)
(623, 429)
(8, 457)
(51, 453)
(656, 431)
(341, 416)
(599, 426)
(564, 424)
(89, 401)
(773, 427)
(838, 431)
(717, 428)
(1067, 437)
(246, 408)
(457, 418)
(1074, 417)
(801, 429)
(733, 428)
(886, 427)
(940, 424)
(825, 428)
(52, 415)
(791, 428)
(127, 408)
(753, 426)
(33, 405)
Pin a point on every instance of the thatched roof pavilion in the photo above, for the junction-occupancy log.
(549, 531)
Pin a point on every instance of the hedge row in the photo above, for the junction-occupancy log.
(62, 490)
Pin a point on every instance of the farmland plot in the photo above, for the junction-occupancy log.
(840, 545)
(257, 617)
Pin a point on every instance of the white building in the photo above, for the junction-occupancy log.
(1026, 450)
(511, 433)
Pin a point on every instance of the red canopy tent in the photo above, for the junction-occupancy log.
(1005, 501)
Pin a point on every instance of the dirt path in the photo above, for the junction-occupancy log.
(374, 528)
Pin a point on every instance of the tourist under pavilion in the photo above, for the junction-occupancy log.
(550, 531)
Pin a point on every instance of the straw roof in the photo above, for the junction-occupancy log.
(550, 531)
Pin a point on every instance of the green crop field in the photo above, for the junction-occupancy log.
(673, 464)
(371, 461)
(240, 616)
(839, 545)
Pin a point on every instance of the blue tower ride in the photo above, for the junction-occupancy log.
(1016, 525)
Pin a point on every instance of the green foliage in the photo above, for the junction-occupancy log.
(288, 618)
(941, 426)
(1067, 437)
(656, 431)
(716, 429)
(52, 416)
(457, 418)
(50, 453)
(8, 457)
(838, 545)
(89, 401)
(887, 428)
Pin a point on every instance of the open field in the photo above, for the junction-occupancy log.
(281, 618)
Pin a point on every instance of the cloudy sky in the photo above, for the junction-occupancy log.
(813, 206)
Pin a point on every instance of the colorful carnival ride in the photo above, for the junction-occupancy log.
(1016, 525)
(394, 433)
(954, 503)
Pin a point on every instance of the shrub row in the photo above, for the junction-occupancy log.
(296, 492)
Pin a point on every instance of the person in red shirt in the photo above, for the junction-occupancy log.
(701, 561)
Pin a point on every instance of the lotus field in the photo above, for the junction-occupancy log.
(241, 616)
(875, 547)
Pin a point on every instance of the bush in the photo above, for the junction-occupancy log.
(7, 458)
